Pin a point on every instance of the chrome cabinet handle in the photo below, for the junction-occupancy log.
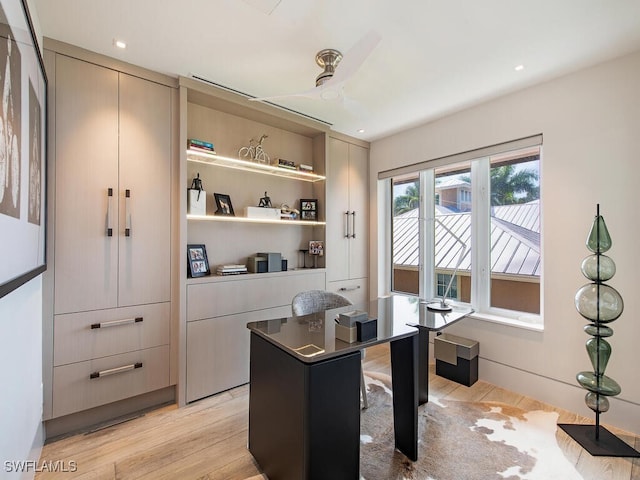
(113, 371)
(109, 202)
(127, 213)
(349, 289)
(115, 323)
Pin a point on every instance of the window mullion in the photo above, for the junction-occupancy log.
(427, 285)
(480, 234)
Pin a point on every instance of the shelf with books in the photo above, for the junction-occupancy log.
(228, 162)
(228, 218)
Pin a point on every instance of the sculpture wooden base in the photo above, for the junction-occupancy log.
(607, 445)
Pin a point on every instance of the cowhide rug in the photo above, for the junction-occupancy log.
(461, 441)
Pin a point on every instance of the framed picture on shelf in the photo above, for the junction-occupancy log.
(197, 262)
(316, 247)
(23, 162)
(223, 202)
(309, 209)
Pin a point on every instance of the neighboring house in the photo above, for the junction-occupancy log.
(515, 253)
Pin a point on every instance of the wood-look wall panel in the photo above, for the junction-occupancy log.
(86, 160)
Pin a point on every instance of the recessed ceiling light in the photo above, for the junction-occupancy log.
(361, 130)
(119, 43)
(519, 68)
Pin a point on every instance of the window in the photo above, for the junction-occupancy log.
(478, 223)
(405, 254)
(442, 283)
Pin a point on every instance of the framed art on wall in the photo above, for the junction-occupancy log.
(22, 149)
(197, 261)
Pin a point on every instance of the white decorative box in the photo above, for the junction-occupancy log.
(346, 334)
(263, 212)
(349, 319)
(196, 202)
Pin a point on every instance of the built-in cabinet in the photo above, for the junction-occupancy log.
(122, 322)
(347, 219)
(217, 308)
(111, 217)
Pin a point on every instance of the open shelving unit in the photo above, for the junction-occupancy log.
(226, 218)
(256, 167)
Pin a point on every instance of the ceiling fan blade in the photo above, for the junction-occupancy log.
(330, 90)
(356, 56)
(311, 93)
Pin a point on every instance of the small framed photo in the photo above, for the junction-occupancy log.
(197, 262)
(316, 247)
(309, 209)
(223, 202)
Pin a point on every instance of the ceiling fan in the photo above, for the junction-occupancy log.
(337, 69)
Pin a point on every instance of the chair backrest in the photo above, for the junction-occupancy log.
(313, 301)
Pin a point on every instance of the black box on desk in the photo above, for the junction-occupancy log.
(456, 358)
(367, 329)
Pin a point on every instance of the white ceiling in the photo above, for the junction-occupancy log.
(435, 56)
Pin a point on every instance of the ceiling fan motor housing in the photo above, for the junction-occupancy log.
(327, 59)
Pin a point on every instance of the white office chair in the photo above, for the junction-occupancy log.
(314, 301)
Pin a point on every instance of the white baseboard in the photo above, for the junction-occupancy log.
(622, 414)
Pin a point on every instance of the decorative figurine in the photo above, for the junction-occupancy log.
(196, 184)
(265, 201)
(254, 152)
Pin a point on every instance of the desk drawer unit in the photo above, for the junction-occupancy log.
(82, 385)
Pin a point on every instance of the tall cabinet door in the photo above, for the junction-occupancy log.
(145, 191)
(337, 210)
(359, 206)
(86, 166)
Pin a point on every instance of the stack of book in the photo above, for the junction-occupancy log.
(200, 145)
(231, 269)
(282, 163)
(305, 168)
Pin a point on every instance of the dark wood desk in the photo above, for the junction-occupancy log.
(304, 401)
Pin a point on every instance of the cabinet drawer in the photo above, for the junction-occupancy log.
(355, 290)
(207, 300)
(87, 335)
(74, 389)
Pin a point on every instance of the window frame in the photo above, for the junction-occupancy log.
(480, 245)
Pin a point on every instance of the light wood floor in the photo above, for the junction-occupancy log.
(207, 439)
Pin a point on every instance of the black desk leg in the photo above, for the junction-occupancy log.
(404, 372)
(423, 366)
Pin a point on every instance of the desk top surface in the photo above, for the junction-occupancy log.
(312, 338)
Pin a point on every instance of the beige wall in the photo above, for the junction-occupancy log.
(590, 122)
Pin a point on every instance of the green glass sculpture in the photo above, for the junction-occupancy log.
(600, 304)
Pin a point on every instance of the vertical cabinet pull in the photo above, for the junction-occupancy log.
(109, 202)
(353, 224)
(127, 213)
(113, 371)
(346, 224)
